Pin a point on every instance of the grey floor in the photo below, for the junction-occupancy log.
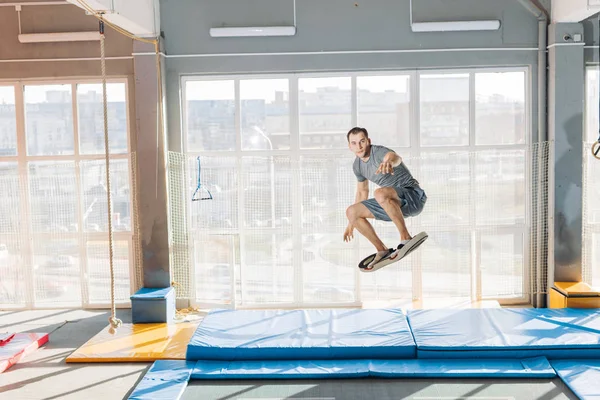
(381, 389)
(45, 375)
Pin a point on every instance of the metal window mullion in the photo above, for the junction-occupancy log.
(296, 190)
(92, 236)
(240, 183)
(100, 157)
(267, 153)
(25, 198)
(475, 239)
(186, 156)
(415, 114)
(354, 100)
(477, 148)
(81, 237)
(356, 244)
(241, 235)
(184, 151)
(87, 157)
(415, 151)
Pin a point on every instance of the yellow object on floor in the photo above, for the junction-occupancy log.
(573, 295)
(139, 342)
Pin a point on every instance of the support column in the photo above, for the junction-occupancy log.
(151, 170)
(566, 124)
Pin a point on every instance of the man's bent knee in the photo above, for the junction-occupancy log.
(385, 194)
(351, 213)
(357, 211)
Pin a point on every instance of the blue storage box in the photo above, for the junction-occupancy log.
(153, 305)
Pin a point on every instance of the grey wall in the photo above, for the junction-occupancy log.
(380, 29)
(590, 35)
(338, 24)
(44, 56)
(567, 106)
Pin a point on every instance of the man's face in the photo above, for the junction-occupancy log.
(359, 144)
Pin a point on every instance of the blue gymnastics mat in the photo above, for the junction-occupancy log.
(506, 333)
(165, 380)
(538, 367)
(581, 376)
(168, 379)
(302, 335)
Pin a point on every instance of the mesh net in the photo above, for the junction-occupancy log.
(136, 237)
(273, 232)
(539, 231)
(179, 255)
(53, 233)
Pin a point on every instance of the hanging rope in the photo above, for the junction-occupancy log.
(156, 43)
(115, 323)
(113, 320)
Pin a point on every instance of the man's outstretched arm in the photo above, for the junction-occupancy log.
(390, 161)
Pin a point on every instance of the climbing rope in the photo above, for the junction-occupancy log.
(113, 320)
(115, 323)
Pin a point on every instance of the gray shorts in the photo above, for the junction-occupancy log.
(412, 201)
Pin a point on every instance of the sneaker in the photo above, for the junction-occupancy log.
(380, 255)
(411, 245)
(390, 257)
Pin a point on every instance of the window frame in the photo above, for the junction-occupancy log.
(23, 160)
(295, 152)
(590, 270)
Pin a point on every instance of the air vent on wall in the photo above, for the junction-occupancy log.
(253, 31)
(248, 31)
(452, 26)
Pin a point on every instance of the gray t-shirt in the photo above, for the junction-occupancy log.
(366, 170)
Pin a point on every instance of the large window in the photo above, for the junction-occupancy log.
(273, 151)
(591, 186)
(53, 216)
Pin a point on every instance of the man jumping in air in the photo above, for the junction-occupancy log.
(399, 196)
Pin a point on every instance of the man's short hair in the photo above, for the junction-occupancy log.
(356, 130)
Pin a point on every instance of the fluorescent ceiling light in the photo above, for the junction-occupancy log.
(489, 25)
(253, 31)
(59, 37)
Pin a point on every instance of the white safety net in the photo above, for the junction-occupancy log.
(272, 233)
(54, 234)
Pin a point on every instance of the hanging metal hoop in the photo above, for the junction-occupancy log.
(596, 150)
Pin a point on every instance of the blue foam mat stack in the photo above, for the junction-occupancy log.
(389, 343)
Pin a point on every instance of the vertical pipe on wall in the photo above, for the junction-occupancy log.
(542, 79)
(543, 172)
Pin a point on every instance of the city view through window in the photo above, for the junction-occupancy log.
(54, 220)
(274, 151)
